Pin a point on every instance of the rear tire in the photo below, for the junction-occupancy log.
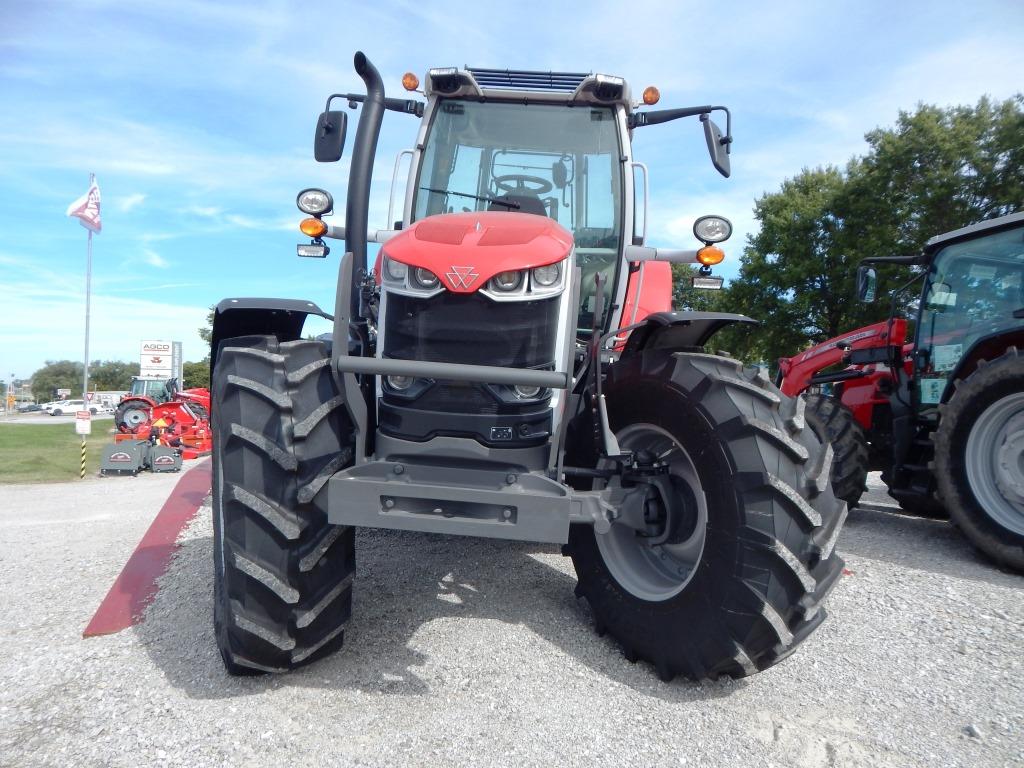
(131, 416)
(979, 458)
(769, 525)
(282, 574)
(920, 506)
(834, 424)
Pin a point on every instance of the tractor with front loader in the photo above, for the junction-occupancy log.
(941, 415)
(510, 367)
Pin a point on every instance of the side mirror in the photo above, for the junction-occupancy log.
(867, 282)
(719, 152)
(559, 174)
(330, 136)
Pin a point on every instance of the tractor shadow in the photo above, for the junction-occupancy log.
(883, 533)
(514, 594)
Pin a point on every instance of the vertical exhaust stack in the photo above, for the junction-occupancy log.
(357, 206)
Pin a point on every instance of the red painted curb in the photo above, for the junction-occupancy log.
(135, 587)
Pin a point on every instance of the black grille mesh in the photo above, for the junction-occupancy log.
(471, 329)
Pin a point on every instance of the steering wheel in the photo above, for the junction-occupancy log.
(517, 184)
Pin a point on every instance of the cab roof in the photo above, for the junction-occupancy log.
(966, 233)
(520, 85)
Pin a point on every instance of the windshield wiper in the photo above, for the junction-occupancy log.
(496, 201)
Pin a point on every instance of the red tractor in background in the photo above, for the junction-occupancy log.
(941, 415)
(176, 418)
(135, 410)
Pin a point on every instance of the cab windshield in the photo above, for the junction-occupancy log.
(150, 388)
(548, 160)
(973, 290)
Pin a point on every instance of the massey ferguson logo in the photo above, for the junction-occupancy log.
(156, 360)
(162, 460)
(120, 456)
(461, 277)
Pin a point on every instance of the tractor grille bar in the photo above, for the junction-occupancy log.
(522, 80)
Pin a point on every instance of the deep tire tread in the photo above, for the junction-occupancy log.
(991, 381)
(271, 613)
(767, 573)
(835, 425)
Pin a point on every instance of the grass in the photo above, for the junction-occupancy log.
(49, 453)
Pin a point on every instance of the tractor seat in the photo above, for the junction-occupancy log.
(527, 204)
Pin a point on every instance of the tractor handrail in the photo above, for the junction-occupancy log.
(487, 374)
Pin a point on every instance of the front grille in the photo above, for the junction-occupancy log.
(457, 397)
(471, 329)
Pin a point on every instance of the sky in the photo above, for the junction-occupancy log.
(197, 118)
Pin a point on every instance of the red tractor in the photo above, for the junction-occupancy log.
(156, 409)
(510, 369)
(942, 416)
(135, 410)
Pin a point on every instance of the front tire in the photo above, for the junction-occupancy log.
(755, 562)
(835, 425)
(283, 574)
(979, 458)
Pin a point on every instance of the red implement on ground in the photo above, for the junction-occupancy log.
(175, 419)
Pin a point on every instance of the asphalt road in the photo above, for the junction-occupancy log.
(473, 652)
(42, 417)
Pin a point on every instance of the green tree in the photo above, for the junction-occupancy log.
(196, 374)
(111, 375)
(686, 297)
(206, 332)
(54, 375)
(936, 170)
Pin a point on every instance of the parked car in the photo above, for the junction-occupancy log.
(63, 407)
(29, 408)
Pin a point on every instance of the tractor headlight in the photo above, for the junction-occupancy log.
(526, 393)
(401, 383)
(395, 270)
(712, 229)
(315, 202)
(507, 281)
(547, 275)
(424, 278)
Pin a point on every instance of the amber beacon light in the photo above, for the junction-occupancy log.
(312, 227)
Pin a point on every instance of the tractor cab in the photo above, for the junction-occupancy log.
(156, 390)
(556, 145)
(540, 159)
(973, 298)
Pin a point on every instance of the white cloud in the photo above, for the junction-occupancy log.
(117, 324)
(126, 203)
(154, 259)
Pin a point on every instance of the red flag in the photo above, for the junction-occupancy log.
(87, 208)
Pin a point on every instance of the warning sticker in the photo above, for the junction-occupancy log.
(946, 356)
(931, 391)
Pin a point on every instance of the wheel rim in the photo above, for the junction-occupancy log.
(995, 462)
(135, 417)
(656, 573)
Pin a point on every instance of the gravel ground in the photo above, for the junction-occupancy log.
(470, 652)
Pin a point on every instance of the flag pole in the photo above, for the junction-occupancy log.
(88, 296)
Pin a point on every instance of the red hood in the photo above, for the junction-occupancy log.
(465, 250)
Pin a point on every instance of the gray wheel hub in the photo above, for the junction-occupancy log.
(135, 417)
(659, 572)
(994, 462)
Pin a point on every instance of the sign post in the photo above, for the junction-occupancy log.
(83, 427)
